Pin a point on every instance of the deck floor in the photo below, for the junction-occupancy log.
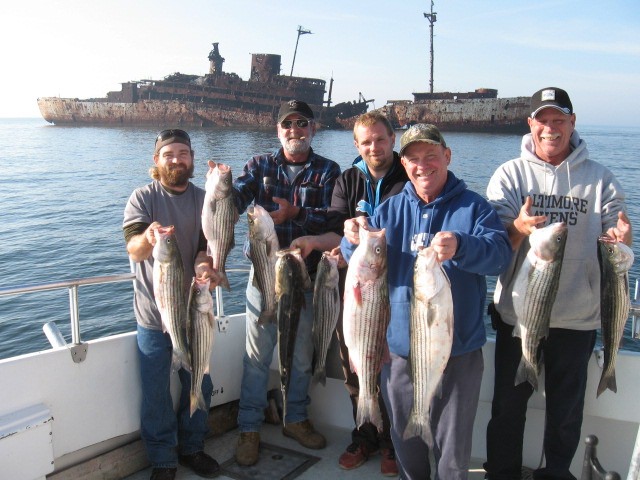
(284, 458)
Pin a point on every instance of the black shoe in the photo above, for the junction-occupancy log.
(201, 463)
(163, 473)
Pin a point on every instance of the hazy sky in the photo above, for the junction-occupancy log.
(83, 49)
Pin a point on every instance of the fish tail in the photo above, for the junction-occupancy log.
(607, 380)
(197, 402)
(224, 281)
(180, 360)
(418, 427)
(320, 376)
(284, 404)
(369, 411)
(527, 373)
(266, 317)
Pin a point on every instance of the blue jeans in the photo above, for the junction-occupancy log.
(164, 431)
(260, 343)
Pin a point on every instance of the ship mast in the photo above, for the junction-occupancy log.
(432, 19)
(300, 32)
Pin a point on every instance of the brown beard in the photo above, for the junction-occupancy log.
(175, 177)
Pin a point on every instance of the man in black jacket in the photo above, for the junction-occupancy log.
(376, 174)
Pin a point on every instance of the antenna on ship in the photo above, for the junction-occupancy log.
(300, 32)
(432, 19)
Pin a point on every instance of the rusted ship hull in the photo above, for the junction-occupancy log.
(466, 115)
(215, 99)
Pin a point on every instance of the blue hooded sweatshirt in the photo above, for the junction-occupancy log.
(483, 249)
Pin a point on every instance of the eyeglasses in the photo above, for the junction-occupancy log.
(301, 123)
(174, 132)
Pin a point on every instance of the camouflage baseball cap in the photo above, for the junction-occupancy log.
(421, 132)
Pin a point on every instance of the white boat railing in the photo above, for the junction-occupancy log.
(77, 347)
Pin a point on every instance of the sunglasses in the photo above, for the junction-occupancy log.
(174, 132)
(301, 123)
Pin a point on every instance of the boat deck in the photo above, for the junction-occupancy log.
(283, 458)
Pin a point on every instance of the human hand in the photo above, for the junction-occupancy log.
(622, 232)
(342, 263)
(445, 244)
(285, 212)
(150, 233)
(352, 228)
(526, 223)
(305, 244)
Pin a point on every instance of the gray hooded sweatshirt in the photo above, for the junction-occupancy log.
(580, 192)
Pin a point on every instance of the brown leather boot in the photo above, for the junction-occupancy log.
(248, 448)
(304, 433)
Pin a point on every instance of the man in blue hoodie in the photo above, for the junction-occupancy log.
(435, 208)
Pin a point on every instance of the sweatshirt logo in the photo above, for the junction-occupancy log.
(421, 239)
(364, 207)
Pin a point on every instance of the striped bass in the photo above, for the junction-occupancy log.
(431, 337)
(200, 330)
(219, 216)
(615, 259)
(263, 246)
(292, 279)
(365, 319)
(326, 311)
(534, 293)
(168, 290)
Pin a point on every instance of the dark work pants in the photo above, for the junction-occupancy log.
(566, 356)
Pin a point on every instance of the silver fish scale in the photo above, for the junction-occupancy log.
(200, 335)
(220, 237)
(539, 299)
(369, 333)
(614, 311)
(168, 288)
(431, 339)
(265, 276)
(326, 311)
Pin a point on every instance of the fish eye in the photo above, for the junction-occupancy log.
(378, 250)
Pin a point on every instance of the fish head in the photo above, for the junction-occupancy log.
(166, 246)
(261, 224)
(617, 254)
(328, 269)
(428, 276)
(219, 181)
(548, 243)
(373, 262)
(200, 297)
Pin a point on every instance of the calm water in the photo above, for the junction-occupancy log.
(65, 188)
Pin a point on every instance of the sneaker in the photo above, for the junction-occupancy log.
(354, 456)
(201, 464)
(388, 465)
(163, 473)
(248, 448)
(304, 433)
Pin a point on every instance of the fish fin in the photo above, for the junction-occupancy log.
(266, 317)
(320, 376)
(224, 281)
(527, 373)
(418, 427)
(368, 411)
(196, 402)
(357, 293)
(607, 381)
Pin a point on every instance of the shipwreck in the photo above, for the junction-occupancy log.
(217, 98)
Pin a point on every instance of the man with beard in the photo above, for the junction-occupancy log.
(294, 185)
(171, 199)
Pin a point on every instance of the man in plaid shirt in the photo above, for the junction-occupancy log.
(295, 186)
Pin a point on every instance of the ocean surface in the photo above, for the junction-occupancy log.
(64, 189)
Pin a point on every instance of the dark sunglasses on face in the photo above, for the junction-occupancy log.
(174, 132)
(301, 123)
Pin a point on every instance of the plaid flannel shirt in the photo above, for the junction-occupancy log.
(264, 177)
